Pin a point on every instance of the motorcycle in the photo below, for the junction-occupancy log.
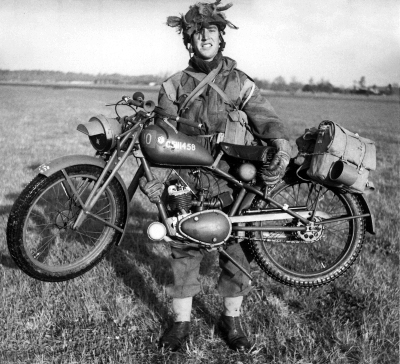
(300, 232)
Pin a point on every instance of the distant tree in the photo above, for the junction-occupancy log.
(308, 88)
(295, 85)
(362, 82)
(324, 86)
(262, 84)
(279, 84)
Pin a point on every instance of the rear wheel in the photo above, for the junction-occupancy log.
(39, 230)
(319, 255)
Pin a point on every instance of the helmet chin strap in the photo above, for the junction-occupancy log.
(222, 43)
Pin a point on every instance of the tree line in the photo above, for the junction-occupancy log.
(278, 84)
(58, 76)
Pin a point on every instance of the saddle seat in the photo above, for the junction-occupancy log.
(248, 152)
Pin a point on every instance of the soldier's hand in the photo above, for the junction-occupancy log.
(152, 189)
(280, 161)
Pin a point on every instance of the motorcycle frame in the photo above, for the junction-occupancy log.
(118, 158)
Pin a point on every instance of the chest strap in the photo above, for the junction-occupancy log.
(204, 81)
(201, 77)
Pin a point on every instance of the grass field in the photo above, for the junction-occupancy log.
(116, 312)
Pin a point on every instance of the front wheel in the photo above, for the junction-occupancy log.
(319, 255)
(40, 237)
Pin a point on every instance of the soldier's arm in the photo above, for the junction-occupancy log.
(167, 96)
(260, 113)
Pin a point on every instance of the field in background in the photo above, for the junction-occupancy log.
(116, 312)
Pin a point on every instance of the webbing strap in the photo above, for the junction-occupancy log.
(200, 87)
(200, 76)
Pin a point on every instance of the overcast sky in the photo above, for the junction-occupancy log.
(338, 40)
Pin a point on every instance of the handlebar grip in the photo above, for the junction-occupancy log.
(135, 102)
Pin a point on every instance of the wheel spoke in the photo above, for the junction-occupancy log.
(320, 249)
(44, 246)
(50, 247)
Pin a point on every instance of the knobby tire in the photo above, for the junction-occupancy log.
(295, 262)
(39, 234)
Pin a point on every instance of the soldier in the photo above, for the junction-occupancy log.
(203, 29)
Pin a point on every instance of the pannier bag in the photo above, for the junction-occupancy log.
(339, 158)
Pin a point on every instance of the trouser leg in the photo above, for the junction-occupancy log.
(185, 264)
(232, 281)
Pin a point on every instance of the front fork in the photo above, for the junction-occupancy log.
(160, 205)
(114, 164)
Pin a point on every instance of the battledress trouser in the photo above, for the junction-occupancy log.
(185, 261)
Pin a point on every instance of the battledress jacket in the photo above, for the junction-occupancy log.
(210, 109)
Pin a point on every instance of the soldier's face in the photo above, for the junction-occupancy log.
(206, 42)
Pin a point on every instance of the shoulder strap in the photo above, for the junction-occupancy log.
(200, 87)
(199, 76)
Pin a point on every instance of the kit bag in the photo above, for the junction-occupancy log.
(339, 157)
(237, 130)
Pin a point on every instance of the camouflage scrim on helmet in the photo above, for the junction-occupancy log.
(200, 15)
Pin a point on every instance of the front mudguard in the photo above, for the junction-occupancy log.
(48, 169)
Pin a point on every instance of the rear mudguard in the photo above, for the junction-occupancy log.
(369, 221)
(48, 169)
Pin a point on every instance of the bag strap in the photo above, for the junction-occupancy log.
(200, 87)
(348, 133)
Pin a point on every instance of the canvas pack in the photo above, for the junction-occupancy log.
(339, 157)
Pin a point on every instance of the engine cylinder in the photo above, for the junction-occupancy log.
(179, 199)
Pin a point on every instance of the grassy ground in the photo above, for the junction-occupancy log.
(116, 312)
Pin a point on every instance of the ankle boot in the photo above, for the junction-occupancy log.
(232, 332)
(175, 336)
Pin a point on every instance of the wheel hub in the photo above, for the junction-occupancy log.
(64, 219)
(313, 232)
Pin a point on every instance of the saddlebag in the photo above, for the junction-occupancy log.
(338, 157)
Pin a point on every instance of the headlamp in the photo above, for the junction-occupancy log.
(102, 132)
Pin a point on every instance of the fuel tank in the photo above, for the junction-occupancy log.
(162, 145)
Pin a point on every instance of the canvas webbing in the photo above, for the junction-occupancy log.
(200, 87)
(200, 76)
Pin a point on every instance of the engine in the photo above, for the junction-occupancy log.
(197, 218)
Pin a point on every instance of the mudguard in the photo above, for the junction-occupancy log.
(47, 169)
(369, 221)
